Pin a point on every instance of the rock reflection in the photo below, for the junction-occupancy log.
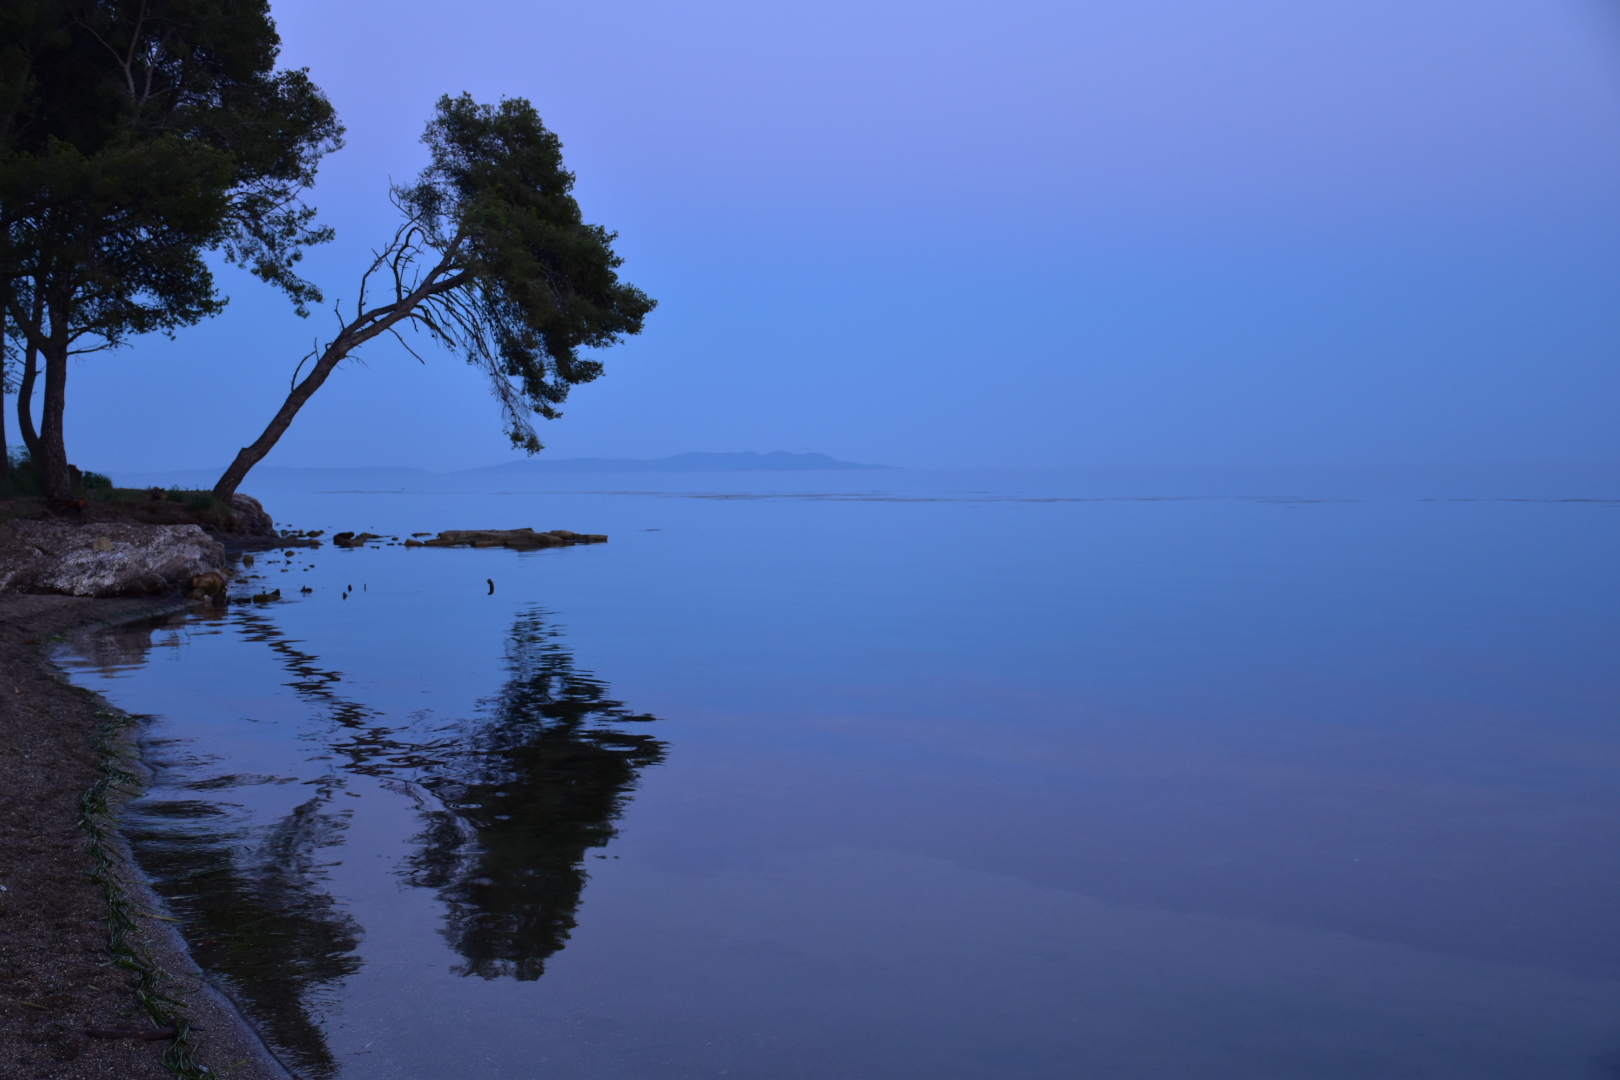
(114, 650)
(538, 781)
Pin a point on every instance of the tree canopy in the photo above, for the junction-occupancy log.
(495, 262)
(136, 136)
(543, 283)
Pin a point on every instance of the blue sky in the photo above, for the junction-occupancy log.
(1095, 232)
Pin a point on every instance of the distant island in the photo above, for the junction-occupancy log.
(747, 461)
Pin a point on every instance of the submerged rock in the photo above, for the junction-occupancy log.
(104, 559)
(354, 540)
(517, 539)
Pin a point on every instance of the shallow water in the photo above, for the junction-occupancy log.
(884, 775)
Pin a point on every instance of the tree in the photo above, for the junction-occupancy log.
(22, 386)
(493, 261)
(136, 136)
(25, 387)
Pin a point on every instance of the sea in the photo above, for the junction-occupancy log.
(1294, 773)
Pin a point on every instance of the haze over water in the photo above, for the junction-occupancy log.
(1197, 774)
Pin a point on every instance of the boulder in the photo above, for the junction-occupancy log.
(208, 585)
(104, 559)
(252, 516)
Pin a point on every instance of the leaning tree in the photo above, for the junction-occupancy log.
(494, 262)
(136, 136)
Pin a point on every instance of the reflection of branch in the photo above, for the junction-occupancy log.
(263, 922)
(315, 683)
(259, 916)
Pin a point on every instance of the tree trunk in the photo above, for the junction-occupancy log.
(53, 461)
(5, 445)
(365, 327)
(25, 400)
(252, 455)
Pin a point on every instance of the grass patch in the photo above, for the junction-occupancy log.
(26, 480)
(22, 497)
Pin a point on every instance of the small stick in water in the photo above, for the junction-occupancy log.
(491, 585)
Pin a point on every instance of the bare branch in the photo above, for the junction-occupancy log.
(406, 345)
(307, 356)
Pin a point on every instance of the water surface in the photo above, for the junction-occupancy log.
(908, 775)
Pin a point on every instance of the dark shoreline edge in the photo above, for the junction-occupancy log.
(60, 746)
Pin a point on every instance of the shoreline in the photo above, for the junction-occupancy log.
(56, 975)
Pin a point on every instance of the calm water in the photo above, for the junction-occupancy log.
(910, 775)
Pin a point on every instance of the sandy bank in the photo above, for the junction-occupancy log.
(55, 981)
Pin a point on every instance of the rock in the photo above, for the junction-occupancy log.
(207, 584)
(517, 539)
(353, 540)
(251, 516)
(104, 559)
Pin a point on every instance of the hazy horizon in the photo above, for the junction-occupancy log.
(1485, 463)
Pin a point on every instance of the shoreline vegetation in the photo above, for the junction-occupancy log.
(135, 506)
(93, 499)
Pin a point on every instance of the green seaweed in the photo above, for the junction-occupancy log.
(125, 942)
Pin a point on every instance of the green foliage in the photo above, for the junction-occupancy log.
(26, 480)
(135, 135)
(495, 262)
(537, 283)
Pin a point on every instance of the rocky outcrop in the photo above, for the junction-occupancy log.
(518, 539)
(104, 559)
(251, 516)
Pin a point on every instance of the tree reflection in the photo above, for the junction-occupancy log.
(541, 779)
(255, 913)
(513, 800)
(250, 896)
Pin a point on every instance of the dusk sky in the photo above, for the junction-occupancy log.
(1028, 233)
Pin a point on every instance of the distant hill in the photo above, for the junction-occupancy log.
(778, 461)
(403, 476)
(277, 475)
